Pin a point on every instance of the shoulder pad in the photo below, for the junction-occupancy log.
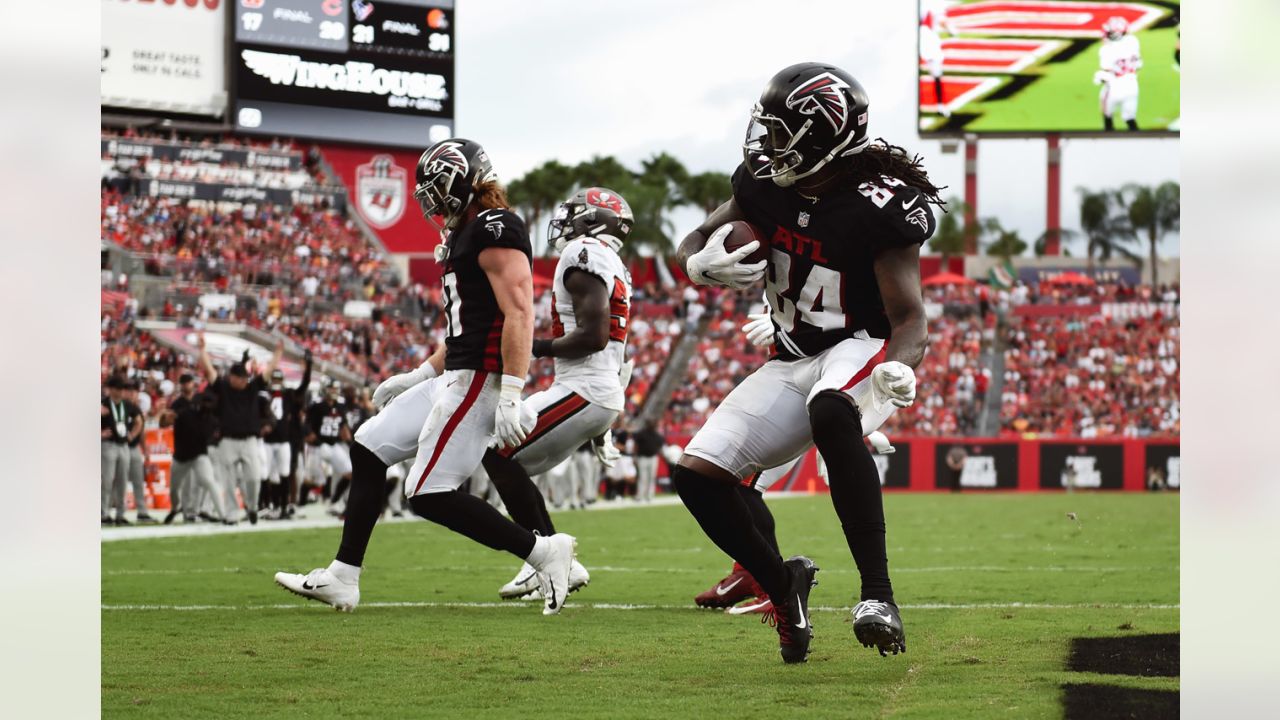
(903, 211)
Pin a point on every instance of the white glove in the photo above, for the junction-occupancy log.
(892, 382)
(512, 420)
(1101, 76)
(880, 443)
(713, 266)
(759, 331)
(605, 450)
(392, 387)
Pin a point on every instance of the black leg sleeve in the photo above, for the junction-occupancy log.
(472, 517)
(364, 506)
(725, 518)
(523, 499)
(760, 515)
(855, 488)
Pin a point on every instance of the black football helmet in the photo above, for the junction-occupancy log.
(808, 115)
(447, 176)
(592, 212)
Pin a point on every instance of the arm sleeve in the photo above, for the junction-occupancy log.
(301, 392)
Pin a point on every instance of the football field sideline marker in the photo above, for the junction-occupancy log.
(667, 570)
(636, 606)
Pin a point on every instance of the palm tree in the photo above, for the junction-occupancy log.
(1153, 211)
(1041, 245)
(1106, 230)
(949, 238)
(1006, 243)
(707, 190)
(540, 190)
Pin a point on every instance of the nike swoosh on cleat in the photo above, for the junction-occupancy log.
(308, 586)
(804, 621)
(722, 590)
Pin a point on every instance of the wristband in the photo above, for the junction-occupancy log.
(427, 370)
(512, 386)
(541, 348)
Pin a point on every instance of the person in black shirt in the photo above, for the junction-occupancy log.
(646, 444)
(328, 434)
(194, 425)
(284, 405)
(121, 422)
(241, 420)
(137, 452)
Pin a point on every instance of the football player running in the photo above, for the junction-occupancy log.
(590, 311)
(845, 218)
(1120, 59)
(471, 388)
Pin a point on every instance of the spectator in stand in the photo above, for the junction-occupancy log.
(121, 422)
(645, 444)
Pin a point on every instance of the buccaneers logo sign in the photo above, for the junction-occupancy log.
(822, 96)
(381, 187)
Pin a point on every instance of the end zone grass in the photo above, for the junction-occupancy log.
(993, 588)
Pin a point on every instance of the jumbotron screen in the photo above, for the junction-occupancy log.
(346, 70)
(1048, 66)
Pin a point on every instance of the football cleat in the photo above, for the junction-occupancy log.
(877, 625)
(737, 586)
(757, 604)
(791, 617)
(553, 576)
(525, 582)
(322, 585)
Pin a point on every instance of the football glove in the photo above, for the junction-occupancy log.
(512, 420)
(1102, 76)
(392, 387)
(712, 265)
(893, 382)
(880, 443)
(606, 452)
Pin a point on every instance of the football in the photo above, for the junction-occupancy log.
(742, 233)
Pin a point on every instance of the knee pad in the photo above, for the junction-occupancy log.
(833, 414)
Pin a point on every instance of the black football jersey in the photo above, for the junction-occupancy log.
(327, 421)
(821, 280)
(283, 405)
(474, 321)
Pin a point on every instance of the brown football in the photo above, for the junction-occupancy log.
(742, 233)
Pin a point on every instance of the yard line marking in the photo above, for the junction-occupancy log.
(642, 606)
(615, 569)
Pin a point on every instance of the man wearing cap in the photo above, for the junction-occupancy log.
(121, 421)
(194, 423)
(137, 451)
(241, 419)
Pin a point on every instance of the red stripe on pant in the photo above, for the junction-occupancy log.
(865, 372)
(571, 404)
(473, 392)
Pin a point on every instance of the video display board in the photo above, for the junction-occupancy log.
(1048, 66)
(348, 70)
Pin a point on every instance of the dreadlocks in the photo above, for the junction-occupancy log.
(881, 158)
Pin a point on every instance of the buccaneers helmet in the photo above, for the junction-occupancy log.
(592, 212)
(447, 176)
(808, 115)
(1115, 27)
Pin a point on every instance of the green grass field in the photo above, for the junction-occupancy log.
(195, 627)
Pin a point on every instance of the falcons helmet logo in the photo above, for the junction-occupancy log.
(823, 95)
(448, 156)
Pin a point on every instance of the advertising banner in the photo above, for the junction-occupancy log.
(1160, 466)
(1092, 466)
(219, 192)
(165, 55)
(976, 466)
(183, 152)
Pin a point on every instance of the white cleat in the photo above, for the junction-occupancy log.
(553, 576)
(578, 576)
(524, 583)
(322, 585)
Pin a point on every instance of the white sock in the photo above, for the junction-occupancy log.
(349, 574)
(541, 552)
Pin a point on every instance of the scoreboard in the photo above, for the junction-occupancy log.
(365, 71)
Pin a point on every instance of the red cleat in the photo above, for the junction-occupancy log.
(737, 586)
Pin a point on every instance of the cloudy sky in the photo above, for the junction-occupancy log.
(567, 79)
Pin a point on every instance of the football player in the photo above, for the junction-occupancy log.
(590, 311)
(328, 435)
(469, 389)
(845, 218)
(284, 406)
(1120, 58)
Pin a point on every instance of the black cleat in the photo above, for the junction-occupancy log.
(791, 616)
(877, 625)
(173, 515)
(122, 521)
(253, 517)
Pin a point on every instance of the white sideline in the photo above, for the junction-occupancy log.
(148, 532)
(700, 571)
(628, 606)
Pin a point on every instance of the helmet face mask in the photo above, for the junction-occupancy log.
(592, 212)
(808, 115)
(1115, 28)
